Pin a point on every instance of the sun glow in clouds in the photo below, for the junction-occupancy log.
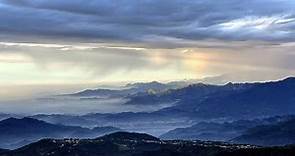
(195, 62)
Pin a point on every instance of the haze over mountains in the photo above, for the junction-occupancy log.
(249, 113)
(192, 104)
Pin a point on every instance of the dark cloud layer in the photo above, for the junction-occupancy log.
(137, 21)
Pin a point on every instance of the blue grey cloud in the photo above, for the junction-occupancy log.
(135, 21)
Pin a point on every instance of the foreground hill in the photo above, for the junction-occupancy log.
(282, 133)
(134, 144)
(18, 132)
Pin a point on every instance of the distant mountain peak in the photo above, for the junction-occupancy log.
(199, 85)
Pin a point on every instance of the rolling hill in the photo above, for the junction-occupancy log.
(19, 132)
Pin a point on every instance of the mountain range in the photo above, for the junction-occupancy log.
(233, 101)
(236, 101)
(200, 111)
(193, 104)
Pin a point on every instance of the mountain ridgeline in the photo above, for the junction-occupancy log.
(129, 89)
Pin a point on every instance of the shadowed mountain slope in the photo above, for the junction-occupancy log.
(282, 133)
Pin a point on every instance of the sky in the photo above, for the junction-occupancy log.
(51, 43)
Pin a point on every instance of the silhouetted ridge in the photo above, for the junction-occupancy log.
(129, 136)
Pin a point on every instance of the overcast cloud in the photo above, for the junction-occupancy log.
(134, 21)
